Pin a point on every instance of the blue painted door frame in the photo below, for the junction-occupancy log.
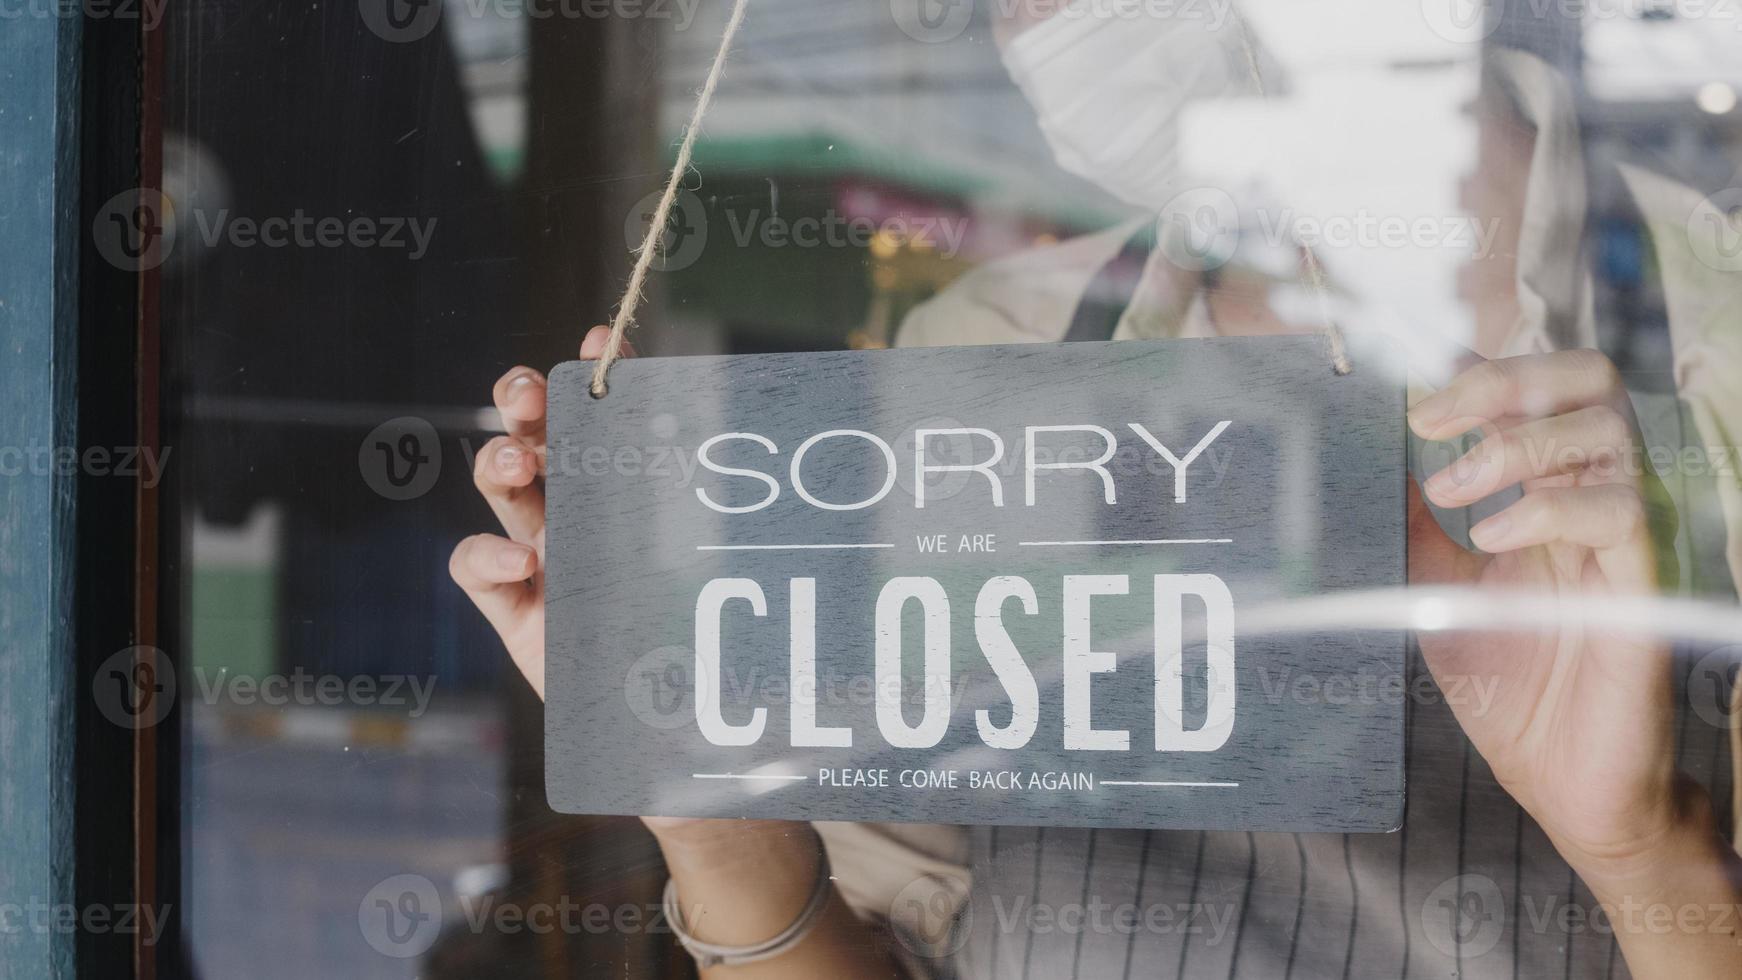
(39, 278)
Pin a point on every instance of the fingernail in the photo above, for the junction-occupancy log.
(513, 559)
(508, 459)
(1429, 412)
(1440, 484)
(521, 383)
(1491, 534)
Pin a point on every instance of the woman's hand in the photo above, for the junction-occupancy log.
(738, 881)
(1581, 728)
(503, 574)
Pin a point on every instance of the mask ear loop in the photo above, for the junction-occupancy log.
(656, 228)
(1336, 346)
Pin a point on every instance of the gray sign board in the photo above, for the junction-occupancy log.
(995, 585)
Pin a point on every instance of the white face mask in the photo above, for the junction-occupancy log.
(1108, 92)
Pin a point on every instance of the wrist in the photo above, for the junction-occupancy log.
(740, 884)
(1684, 838)
(725, 843)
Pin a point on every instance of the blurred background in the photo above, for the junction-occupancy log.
(862, 155)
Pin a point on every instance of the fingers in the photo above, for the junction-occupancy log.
(1595, 441)
(594, 343)
(1531, 386)
(506, 474)
(519, 396)
(494, 573)
(520, 393)
(1610, 519)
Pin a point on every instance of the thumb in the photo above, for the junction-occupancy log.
(597, 339)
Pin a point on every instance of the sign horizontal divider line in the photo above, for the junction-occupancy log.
(1141, 782)
(1091, 544)
(785, 547)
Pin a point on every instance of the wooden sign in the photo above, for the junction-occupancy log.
(976, 585)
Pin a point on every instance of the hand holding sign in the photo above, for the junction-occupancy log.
(718, 864)
(504, 576)
(1581, 731)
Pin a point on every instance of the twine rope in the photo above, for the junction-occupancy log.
(1336, 346)
(632, 295)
